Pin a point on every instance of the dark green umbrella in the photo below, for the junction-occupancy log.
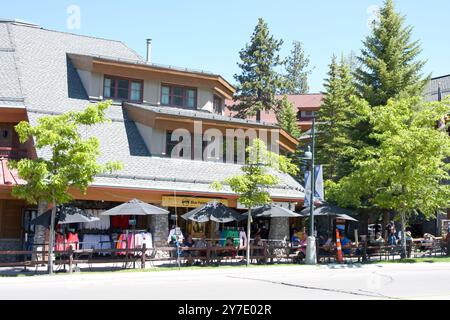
(64, 215)
(330, 210)
(273, 211)
(213, 211)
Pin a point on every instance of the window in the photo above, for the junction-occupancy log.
(307, 114)
(178, 96)
(217, 104)
(5, 135)
(122, 89)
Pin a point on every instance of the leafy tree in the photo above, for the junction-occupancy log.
(389, 67)
(405, 171)
(297, 71)
(287, 117)
(259, 81)
(335, 140)
(71, 161)
(252, 186)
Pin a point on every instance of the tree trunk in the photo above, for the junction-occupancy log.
(249, 221)
(51, 238)
(403, 224)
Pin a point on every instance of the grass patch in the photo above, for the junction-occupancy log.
(416, 260)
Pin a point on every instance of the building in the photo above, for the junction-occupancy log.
(306, 104)
(438, 88)
(45, 72)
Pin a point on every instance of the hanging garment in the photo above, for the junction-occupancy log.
(72, 241)
(120, 222)
(242, 239)
(59, 242)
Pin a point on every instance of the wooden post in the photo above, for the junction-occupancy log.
(208, 253)
(364, 257)
(144, 250)
(266, 252)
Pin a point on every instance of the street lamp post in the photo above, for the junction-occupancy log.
(311, 253)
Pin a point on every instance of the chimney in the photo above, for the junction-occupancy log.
(149, 51)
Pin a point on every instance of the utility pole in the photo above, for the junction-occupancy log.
(311, 254)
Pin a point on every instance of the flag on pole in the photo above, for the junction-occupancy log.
(319, 188)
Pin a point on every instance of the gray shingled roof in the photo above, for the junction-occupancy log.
(50, 85)
(10, 89)
(431, 91)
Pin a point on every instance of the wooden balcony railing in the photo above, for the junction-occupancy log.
(12, 153)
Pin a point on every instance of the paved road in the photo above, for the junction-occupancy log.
(418, 281)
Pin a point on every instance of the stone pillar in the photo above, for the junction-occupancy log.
(40, 234)
(279, 229)
(159, 227)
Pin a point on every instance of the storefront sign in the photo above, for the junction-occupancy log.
(189, 202)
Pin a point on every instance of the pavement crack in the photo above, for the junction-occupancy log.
(362, 293)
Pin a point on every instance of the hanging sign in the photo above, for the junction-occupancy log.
(189, 202)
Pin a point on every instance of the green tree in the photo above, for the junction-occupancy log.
(253, 185)
(259, 81)
(71, 161)
(405, 171)
(287, 117)
(389, 65)
(297, 71)
(335, 139)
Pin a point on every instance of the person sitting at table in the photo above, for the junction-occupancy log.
(295, 239)
(188, 243)
(200, 244)
(346, 244)
(258, 242)
(301, 250)
(378, 239)
(231, 249)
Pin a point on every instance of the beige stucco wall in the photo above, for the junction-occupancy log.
(92, 82)
(205, 99)
(152, 92)
(153, 138)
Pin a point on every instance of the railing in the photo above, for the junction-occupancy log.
(12, 153)
(276, 251)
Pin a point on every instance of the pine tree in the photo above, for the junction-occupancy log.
(335, 131)
(258, 82)
(296, 71)
(287, 117)
(389, 67)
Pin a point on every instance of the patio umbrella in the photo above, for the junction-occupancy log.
(64, 215)
(273, 211)
(345, 217)
(213, 211)
(135, 207)
(327, 210)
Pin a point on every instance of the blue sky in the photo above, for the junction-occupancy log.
(208, 34)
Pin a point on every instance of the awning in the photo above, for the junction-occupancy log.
(8, 177)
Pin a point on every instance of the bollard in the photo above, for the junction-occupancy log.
(70, 259)
(144, 250)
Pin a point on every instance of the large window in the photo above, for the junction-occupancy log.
(122, 89)
(178, 96)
